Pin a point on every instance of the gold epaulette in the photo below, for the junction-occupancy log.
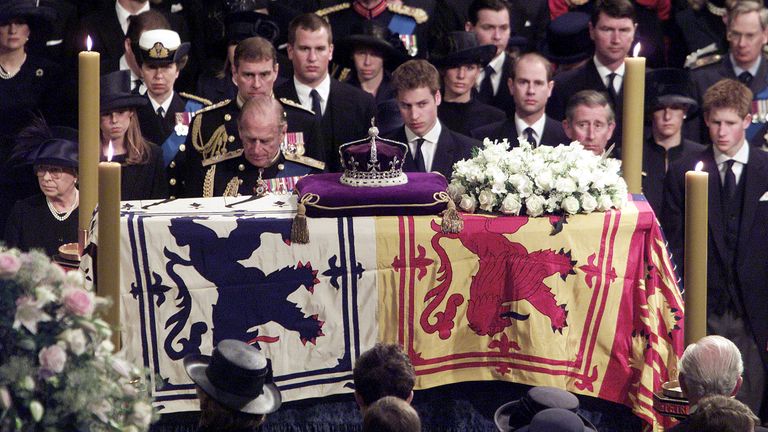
(345, 75)
(286, 101)
(304, 160)
(706, 61)
(333, 9)
(222, 157)
(213, 107)
(419, 14)
(203, 101)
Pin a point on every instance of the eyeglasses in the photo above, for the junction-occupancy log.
(736, 36)
(54, 171)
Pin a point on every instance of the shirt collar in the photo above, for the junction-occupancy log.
(302, 90)
(165, 105)
(537, 126)
(123, 14)
(742, 156)
(752, 69)
(432, 136)
(603, 70)
(498, 63)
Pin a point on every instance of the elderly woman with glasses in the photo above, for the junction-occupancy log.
(48, 220)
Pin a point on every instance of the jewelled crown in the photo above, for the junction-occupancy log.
(373, 161)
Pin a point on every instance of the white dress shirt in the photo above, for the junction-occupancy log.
(498, 65)
(603, 71)
(741, 158)
(123, 14)
(323, 89)
(537, 126)
(429, 147)
(165, 105)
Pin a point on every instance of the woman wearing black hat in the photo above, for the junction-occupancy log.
(143, 174)
(49, 220)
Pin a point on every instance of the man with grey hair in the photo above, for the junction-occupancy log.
(590, 120)
(747, 33)
(711, 366)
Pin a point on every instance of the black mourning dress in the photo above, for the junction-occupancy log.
(32, 225)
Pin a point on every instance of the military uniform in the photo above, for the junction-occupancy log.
(411, 23)
(198, 170)
(237, 176)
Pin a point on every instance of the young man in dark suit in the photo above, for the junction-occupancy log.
(737, 274)
(489, 20)
(531, 85)
(345, 112)
(612, 28)
(433, 147)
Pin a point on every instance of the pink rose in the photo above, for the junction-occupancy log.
(9, 265)
(78, 301)
(52, 358)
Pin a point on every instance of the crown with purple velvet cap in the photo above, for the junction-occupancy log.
(373, 161)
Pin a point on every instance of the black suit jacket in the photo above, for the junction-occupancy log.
(553, 134)
(347, 116)
(155, 128)
(571, 82)
(503, 98)
(704, 77)
(751, 280)
(451, 148)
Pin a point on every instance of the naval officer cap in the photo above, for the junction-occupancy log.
(162, 47)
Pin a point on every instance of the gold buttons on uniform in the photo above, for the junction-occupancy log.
(227, 117)
(231, 138)
(241, 167)
(172, 182)
(280, 167)
(182, 147)
(172, 164)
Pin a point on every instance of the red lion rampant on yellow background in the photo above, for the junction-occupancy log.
(507, 272)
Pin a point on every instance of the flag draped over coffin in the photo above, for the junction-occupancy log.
(589, 304)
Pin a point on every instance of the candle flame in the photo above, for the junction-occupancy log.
(636, 51)
(110, 151)
(88, 42)
(699, 166)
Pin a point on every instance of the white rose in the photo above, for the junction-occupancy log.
(74, 278)
(588, 203)
(544, 180)
(468, 203)
(570, 205)
(534, 205)
(565, 185)
(105, 348)
(511, 205)
(142, 414)
(456, 190)
(101, 409)
(604, 203)
(487, 200)
(76, 340)
(522, 184)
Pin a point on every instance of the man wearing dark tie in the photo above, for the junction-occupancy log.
(737, 274)
(433, 147)
(489, 20)
(747, 33)
(612, 28)
(344, 112)
(531, 85)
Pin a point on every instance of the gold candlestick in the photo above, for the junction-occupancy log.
(695, 273)
(633, 111)
(108, 264)
(88, 126)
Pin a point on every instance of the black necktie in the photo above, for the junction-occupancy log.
(418, 157)
(611, 88)
(137, 85)
(745, 78)
(486, 86)
(316, 107)
(529, 136)
(161, 112)
(729, 184)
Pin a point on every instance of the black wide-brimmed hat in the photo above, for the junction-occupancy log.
(514, 415)
(568, 39)
(236, 375)
(34, 14)
(372, 35)
(556, 419)
(461, 48)
(161, 47)
(669, 86)
(244, 24)
(116, 92)
(38, 144)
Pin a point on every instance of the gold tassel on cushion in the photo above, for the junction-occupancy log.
(299, 230)
(452, 221)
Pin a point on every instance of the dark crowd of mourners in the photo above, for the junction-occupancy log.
(202, 98)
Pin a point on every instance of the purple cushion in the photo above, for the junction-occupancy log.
(417, 197)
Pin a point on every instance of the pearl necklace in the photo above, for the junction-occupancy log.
(59, 216)
(4, 74)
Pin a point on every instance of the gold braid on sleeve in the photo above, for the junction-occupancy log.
(208, 182)
(232, 187)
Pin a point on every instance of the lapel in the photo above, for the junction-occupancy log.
(446, 147)
(715, 213)
(754, 188)
(548, 135)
